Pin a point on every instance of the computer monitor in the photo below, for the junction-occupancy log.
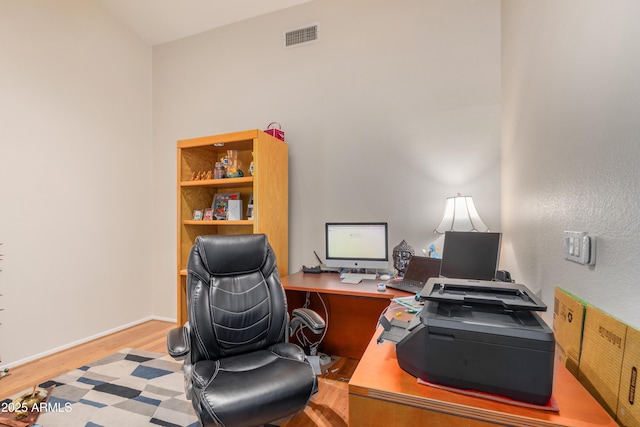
(470, 255)
(357, 245)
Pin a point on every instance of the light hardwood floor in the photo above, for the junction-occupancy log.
(328, 408)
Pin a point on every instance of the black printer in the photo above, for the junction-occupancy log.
(479, 335)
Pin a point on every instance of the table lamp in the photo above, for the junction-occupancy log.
(460, 214)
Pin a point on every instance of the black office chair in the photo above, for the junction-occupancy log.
(240, 369)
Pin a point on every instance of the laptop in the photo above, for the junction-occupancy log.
(419, 270)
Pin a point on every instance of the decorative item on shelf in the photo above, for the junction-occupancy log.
(234, 210)
(250, 207)
(460, 214)
(401, 256)
(201, 175)
(220, 204)
(233, 165)
(208, 214)
(197, 214)
(251, 167)
(276, 133)
(219, 172)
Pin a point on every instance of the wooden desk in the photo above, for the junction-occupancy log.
(353, 310)
(381, 393)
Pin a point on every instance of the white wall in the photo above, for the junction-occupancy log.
(393, 110)
(75, 175)
(571, 146)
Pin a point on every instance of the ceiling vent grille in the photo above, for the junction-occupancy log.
(301, 35)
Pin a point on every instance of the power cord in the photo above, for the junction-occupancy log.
(302, 337)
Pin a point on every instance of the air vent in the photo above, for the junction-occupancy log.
(301, 35)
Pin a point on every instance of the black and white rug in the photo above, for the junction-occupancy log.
(130, 388)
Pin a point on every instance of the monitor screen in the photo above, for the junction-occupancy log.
(357, 245)
(470, 255)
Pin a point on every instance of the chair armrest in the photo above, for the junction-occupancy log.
(290, 351)
(309, 318)
(179, 342)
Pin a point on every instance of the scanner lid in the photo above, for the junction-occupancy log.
(508, 296)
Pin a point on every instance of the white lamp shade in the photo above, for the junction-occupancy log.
(460, 214)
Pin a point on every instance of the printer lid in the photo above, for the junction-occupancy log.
(509, 296)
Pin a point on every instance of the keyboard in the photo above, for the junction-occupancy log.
(360, 276)
(406, 285)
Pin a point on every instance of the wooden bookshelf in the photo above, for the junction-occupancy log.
(269, 186)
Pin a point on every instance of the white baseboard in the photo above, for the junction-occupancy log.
(84, 340)
(164, 319)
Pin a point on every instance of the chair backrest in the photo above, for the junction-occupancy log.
(235, 299)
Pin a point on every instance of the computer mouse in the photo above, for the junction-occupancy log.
(385, 277)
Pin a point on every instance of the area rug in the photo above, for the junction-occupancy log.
(130, 388)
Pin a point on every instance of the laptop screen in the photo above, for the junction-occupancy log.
(420, 269)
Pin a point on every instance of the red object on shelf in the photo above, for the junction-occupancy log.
(277, 133)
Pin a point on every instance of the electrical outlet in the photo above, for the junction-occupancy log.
(580, 247)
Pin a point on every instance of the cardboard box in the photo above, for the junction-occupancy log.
(568, 321)
(629, 397)
(603, 346)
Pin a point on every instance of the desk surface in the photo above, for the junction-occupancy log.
(352, 312)
(329, 283)
(379, 384)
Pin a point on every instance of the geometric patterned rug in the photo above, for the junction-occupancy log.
(131, 388)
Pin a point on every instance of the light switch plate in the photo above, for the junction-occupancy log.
(580, 247)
